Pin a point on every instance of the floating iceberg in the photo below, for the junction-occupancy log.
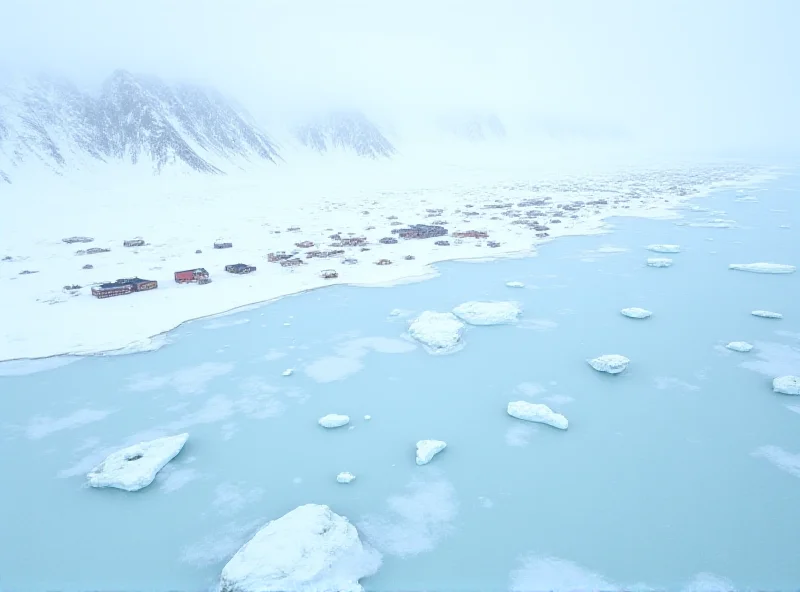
(488, 313)
(288, 372)
(611, 363)
(135, 467)
(538, 413)
(310, 548)
(345, 477)
(515, 284)
(763, 267)
(739, 346)
(636, 313)
(766, 314)
(659, 262)
(664, 248)
(440, 332)
(787, 385)
(332, 420)
(427, 449)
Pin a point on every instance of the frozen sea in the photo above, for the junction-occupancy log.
(683, 471)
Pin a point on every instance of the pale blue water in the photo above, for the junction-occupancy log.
(655, 481)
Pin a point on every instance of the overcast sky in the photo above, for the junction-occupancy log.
(724, 72)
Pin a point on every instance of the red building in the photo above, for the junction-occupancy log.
(188, 276)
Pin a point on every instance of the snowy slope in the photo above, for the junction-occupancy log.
(348, 131)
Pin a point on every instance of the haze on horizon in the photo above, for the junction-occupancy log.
(715, 76)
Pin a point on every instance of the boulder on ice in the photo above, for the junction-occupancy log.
(310, 548)
(134, 468)
(611, 363)
(739, 346)
(427, 449)
(659, 262)
(787, 385)
(763, 267)
(664, 248)
(488, 313)
(439, 332)
(636, 313)
(345, 477)
(333, 420)
(538, 413)
(767, 314)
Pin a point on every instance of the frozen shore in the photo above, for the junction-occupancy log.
(41, 317)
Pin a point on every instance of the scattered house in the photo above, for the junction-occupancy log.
(370, 228)
(396, 223)
(71, 288)
(335, 237)
(222, 245)
(134, 242)
(388, 240)
(364, 249)
(329, 274)
(323, 254)
(471, 234)
(391, 218)
(420, 231)
(197, 252)
(278, 256)
(198, 276)
(492, 244)
(355, 241)
(442, 243)
(240, 268)
(88, 266)
(349, 261)
(27, 272)
(304, 245)
(409, 257)
(292, 262)
(542, 235)
(77, 239)
(293, 229)
(383, 262)
(541, 228)
(92, 251)
(123, 286)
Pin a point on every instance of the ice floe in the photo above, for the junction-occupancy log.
(739, 346)
(488, 313)
(439, 332)
(659, 262)
(310, 548)
(345, 477)
(288, 372)
(664, 248)
(332, 420)
(787, 385)
(537, 412)
(427, 449)
(611, 363)
(767, 314)
(636, 313)
(135, 467)
(515, 284)
(763, 267)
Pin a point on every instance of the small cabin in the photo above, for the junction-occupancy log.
(442, 243)
(388, 240)
(471, 234)
(277, 256)
(293, 262)
(188, 276)
(409, 257)
(329, 274)
(349, 261)
(123, 286)
(304, 245)
(134, 242)
(240, 268)
(222, 245)
(355, 241)
(383, 262)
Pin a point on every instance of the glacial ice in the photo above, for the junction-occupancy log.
(538, 413)
(739, 346)
(787, 385)
(288, 372)
(664, 248)
(309, 549)
(766, 314)
(345, 477)
(427, 449)
(440, 332)
(134, 468)
(611, 363)
(763, 267)
(488, 313)
(636, 313)
(659, 262)
(515, 284)
(332, 420)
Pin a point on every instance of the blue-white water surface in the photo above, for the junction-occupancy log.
(686, 464)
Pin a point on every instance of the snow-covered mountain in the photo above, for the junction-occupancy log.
(347, 130)
(133, 119)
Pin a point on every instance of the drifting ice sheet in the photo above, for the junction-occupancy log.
(538, 413)
(135, 467)
(636, 313)
(611, 363)
(310, 548)
(664, 248)
(332, 420)
(515, 284)
(659, 262)
(767, 314)
(739, 346)
(427, 449)
(345, 477)
(488, 313)
(440, 332)
(763, 267)
(787, 385)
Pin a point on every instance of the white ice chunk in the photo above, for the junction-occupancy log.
(739, 346)
(288, 372)
(763, 267)
(427, 449)
(310, 548)
(659, 262)
(636, 313)
(787, 385)
(611, 363)
(664, 248)
(538, 413)
(332, 420)
(488, 313)
(767, 314)
(135, 467)
(440, 332)
(367, 417)
(515, 284)
(345, 477)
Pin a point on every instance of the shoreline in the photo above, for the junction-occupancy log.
(224, 298)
